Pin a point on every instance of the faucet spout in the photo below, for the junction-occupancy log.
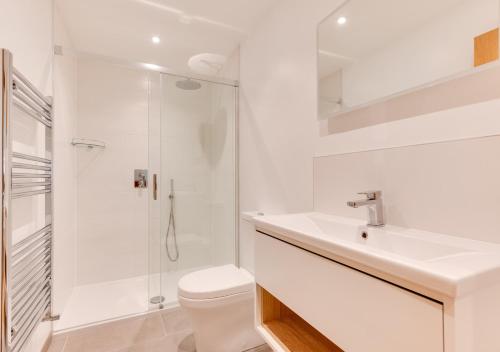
(360, 203)
(375, 207)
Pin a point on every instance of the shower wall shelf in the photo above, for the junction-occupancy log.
(89, 143)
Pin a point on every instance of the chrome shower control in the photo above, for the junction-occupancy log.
(140, 178)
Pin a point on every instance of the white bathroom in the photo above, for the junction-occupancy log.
(250, 175)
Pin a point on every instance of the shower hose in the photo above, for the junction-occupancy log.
(171, 224)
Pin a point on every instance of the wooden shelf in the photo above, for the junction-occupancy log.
(292, 332)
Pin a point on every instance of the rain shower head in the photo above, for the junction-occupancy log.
(188, 84)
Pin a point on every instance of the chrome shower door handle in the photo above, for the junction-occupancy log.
(155, 187)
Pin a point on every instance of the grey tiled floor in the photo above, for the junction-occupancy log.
(167, 331)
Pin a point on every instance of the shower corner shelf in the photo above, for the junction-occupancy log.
(89, 143)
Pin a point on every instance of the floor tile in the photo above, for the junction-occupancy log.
(263, 348)
(116, 335)
(57, 343)
(176, 320)
(167, 331)
(181, 342)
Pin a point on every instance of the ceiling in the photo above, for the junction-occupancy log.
(371, 25)
(123, 29)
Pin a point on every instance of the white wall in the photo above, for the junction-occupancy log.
(65, 171)
(26, 30)
(278, 108)
(442, 47)
(448, 187)
(112, 214)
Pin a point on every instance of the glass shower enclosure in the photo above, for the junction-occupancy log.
(192, 165)
(156, 199)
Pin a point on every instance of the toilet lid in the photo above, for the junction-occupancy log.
(215, 282)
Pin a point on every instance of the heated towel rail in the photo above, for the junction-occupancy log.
(26, 258)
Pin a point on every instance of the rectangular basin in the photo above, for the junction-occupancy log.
(384, 239)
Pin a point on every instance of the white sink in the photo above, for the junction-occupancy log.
(447, 264)
(384, 239)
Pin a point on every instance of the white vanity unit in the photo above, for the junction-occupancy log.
(328, 283)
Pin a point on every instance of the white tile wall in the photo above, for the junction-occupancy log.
(65, 169)
(112, 214)
(448, 187)
(119, 232)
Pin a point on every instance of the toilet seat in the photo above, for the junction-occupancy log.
(216, 283)
(210, 303)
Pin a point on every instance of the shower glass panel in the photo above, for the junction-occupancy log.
(192, 154)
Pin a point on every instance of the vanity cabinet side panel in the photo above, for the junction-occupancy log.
(357, 312)
(473, 322)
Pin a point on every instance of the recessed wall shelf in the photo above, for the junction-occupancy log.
(88, 143)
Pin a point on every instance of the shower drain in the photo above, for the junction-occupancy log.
(157, 300)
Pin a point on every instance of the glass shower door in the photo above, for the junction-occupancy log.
(193, 219)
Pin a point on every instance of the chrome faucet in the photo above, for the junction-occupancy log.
(375, 207)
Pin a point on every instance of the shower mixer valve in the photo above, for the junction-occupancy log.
(140, 178)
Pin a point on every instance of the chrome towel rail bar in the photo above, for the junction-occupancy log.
(33, 114)
(28, 84)
(30, 166)
(32, 301)
(22, 268)
(17, 175)
(25, 282)
(31, 237)
(31, 157)
(30, 104)
(29, 323)
(30, 292)
(27, 270)
(30, 184)
(30, 249)
(30, 193)
(32, 97)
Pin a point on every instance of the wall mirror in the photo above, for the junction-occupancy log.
(369, 50)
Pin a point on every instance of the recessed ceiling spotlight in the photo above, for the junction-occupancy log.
(152, 67)
(155, 39)
(341, 20)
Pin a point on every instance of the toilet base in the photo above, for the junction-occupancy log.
(223, 327)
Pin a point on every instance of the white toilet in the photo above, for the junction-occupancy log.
(220, 302)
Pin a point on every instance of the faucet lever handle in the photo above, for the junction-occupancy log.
(371, 195)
